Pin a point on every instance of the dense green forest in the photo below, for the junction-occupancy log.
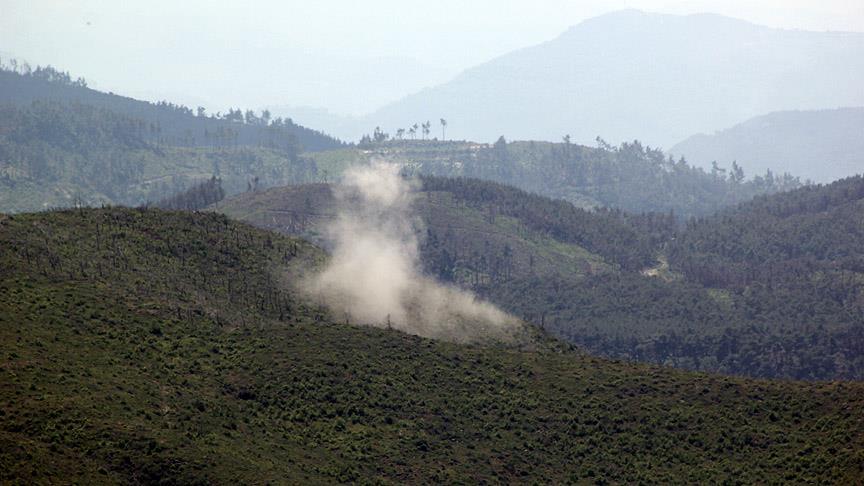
(145, 346)
(631, 176)
(772, 240)
(771, 288)
(628, 286)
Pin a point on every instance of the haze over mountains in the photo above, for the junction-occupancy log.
(820, 145)
(62, 143)
(634, 75)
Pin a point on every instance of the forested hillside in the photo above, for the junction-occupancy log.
(56, 134)
(55, 154)
(145, 346)
(777, 239)
(631, 177)
(63, 144)
(771, 288)
(637, 286)
(169, 123)
(503, 277)
(197, 197)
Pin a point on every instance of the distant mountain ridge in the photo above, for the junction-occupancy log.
(821, 145)
(63, 144)
(180, 122)
(634, 75)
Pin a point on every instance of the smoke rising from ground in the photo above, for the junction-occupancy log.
(374, 277)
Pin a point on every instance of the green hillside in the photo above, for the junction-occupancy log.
(143, 346)
(769, 238)
(631, 177)
(640, 287)
(63, 144)
(175, 124)
(58, 155)
(466, 243)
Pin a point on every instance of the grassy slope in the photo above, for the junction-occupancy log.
(140, 345)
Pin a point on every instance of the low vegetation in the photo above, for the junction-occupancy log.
(138, 345)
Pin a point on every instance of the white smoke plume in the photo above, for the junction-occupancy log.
(373, 276)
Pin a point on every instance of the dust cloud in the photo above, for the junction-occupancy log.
(373, 276)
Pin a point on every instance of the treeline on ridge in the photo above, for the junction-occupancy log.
(61, 154)
(631, 176)
(174, 124)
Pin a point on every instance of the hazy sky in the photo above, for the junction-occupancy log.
(347, 56)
